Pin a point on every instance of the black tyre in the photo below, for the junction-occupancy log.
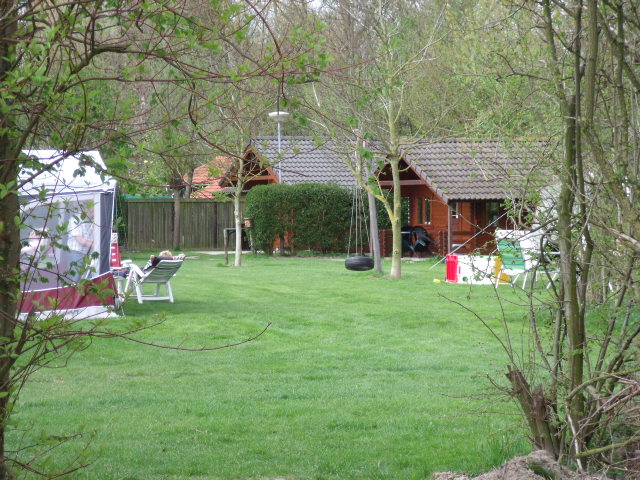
(359, 263)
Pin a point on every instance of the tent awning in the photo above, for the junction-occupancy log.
(68, 174)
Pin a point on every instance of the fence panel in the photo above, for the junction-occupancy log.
(202, 223)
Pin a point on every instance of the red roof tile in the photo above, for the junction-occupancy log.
(206, 178)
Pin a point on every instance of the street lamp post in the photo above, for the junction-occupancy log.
(280, 117)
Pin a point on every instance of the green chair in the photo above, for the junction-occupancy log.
(519, 252)
(513, 261)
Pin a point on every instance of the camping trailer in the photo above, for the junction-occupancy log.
(67, 216)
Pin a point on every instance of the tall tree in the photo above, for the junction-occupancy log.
(380, 45)
(588, 69)
(226, 131)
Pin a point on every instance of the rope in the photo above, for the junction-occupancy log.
(357, 214)
(463, 244)
(353, 200)
(355, 226)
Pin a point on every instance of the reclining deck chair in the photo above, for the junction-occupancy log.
(160, 274)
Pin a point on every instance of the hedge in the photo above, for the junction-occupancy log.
(311, 216)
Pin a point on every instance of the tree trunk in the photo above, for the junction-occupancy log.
(9, 236)
(396, 254)
(177, 207)
(534, 405)
(568, 272)
(568, 95)
(237, 215)
(189, 186)
(9, 286)
(237, 209)
(374, 241)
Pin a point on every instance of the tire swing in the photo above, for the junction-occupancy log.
(358, 262)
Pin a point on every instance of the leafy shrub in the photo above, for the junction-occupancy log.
(266, 204)
(311, 216)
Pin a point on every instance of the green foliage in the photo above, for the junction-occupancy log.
(312, 216)
(266, 204)
(321, 217)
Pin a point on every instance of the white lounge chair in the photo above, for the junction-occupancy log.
(159, 275)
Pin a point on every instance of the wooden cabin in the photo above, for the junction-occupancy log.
(457, 189)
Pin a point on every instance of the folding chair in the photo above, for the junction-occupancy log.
(513, 262)
(159, 275)
(520, 254)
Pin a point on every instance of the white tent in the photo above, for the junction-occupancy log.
(67, 217)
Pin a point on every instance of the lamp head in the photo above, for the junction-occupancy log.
(279, 116)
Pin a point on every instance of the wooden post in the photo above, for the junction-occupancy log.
(226, 246)
(449, 228)
(374, 240)
(248, 225)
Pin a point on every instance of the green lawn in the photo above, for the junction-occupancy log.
(358, 377)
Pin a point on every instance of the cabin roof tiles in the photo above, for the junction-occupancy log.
(456, 169)
(305, 160)
(474, 170)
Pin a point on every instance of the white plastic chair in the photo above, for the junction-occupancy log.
(159, 275)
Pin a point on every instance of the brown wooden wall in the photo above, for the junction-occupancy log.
(471, 222)
(150, 224)
(437, 227)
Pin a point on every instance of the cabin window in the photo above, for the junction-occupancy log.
(455, 210)
(404, 217)
(493, 212)
(424, 211)
(427, 211)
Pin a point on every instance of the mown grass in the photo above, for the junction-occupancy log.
(358, 377)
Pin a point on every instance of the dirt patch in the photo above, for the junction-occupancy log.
(538, 465)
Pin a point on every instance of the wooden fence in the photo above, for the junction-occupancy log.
(202, 224)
